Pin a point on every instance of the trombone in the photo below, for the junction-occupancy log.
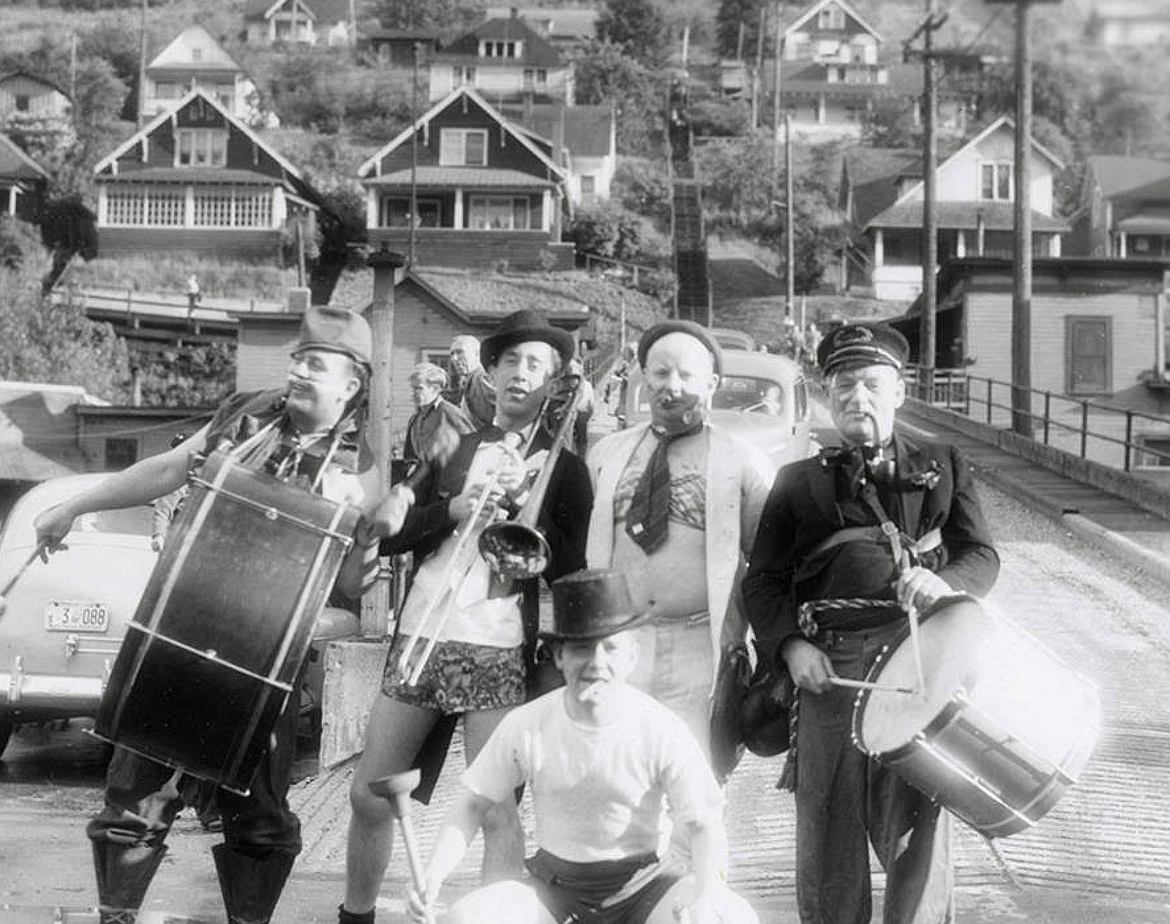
(514, 549)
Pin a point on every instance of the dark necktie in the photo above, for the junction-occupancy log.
(649, 514)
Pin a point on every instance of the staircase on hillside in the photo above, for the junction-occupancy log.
(688, 236)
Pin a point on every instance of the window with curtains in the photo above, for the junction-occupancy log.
(201, 147)
(227, 207)
(153, 206)
(498, 213)
(463, 147)
(997, 181)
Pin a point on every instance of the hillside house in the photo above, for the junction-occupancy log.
(1129, 23)
(401, 47)
(298, 22)
(504, 60)
(22, 183)
(881, 196)
(587, 138)
(25, 96)
(565, 28)
(1124, 209)
(197, 179)
(486, 192)
(194, 59)
(432, 306)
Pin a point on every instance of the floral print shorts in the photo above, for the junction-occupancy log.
(459, 677)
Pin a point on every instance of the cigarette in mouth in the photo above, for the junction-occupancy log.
(591, 691)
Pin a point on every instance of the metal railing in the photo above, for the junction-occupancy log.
(1117, 437)
(627, 271)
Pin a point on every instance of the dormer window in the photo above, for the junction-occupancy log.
(831, 17)
(463, 147)
(493, 48)
(201, 147)
(196, 54)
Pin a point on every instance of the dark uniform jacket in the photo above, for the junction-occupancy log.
(812, 499)
(425, 423)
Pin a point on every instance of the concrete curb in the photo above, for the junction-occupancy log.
(1119, 545)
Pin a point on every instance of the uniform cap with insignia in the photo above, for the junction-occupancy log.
(853, 345)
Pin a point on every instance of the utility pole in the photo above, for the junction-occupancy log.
(757, 75)
(1022, 422)
(142, 68)
(789, 222)
(927, 330)
(776, 94)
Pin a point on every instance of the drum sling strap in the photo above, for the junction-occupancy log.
(904, 551)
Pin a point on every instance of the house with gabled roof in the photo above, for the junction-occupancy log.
(584, 136)
(486, 192)
(1124, 208)
(197, 179)
(24, 95)
(1129, 23)
(194, 58)
(566, 27)
(504, 60)
(298, 22)
(22, 183)
(975, 196)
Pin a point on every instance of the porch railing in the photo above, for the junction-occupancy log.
(1117, 437)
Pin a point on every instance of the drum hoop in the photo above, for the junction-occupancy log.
(207, 655)
(308, 588)
(274, 514)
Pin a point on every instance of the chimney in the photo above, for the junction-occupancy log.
(515, 12)
(298, 300)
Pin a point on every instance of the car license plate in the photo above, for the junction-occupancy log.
(64, 616)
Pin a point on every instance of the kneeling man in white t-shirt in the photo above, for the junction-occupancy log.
(599, 757)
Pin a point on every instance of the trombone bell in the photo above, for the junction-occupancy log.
(514, 550)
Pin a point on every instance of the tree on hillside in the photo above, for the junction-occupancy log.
(890, 123)
(415, 14)
(46, 341)
(636, 27)
(733, 14)
(602, 74)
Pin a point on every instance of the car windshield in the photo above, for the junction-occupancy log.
(749, 393)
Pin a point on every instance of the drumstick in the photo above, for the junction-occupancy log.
(4, 591)
(396, 789)
(867, 685)
(912, 616)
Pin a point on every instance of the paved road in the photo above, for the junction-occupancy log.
(1101, 855)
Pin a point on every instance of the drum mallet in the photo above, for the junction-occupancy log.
(7, 588)
(397, 788)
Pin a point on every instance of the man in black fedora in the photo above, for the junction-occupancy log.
(485, 633)
(600, 756)
(847, 543)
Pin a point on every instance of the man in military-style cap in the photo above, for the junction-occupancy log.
(821, 543)
(308, 433)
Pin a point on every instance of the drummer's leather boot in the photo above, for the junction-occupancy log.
(251, 883)
(124, 872)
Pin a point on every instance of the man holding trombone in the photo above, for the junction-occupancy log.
(465, 639)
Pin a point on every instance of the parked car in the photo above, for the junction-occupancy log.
(65, 619)
(731, 339)
(761, 397)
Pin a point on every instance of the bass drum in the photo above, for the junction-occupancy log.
(224, 625)
(1002, 729)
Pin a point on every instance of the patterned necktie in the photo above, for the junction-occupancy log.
(648, 518)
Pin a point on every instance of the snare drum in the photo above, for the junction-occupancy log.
(1002, 730)
(225, 623)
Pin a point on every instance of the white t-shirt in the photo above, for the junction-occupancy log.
(598, 791)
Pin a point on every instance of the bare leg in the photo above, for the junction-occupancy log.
(503, 838)
(395, 733)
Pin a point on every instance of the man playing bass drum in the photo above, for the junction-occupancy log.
(307, 433)
(485, 631)
(825, 591)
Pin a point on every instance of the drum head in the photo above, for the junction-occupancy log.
(953, 642)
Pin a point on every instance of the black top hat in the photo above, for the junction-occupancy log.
(591, 604)
(853, 345)
(700, 333)
(523, 326)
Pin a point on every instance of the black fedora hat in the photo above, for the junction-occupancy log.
(524, 326)
(590, 604)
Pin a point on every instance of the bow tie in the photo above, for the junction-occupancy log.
(494, 434)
